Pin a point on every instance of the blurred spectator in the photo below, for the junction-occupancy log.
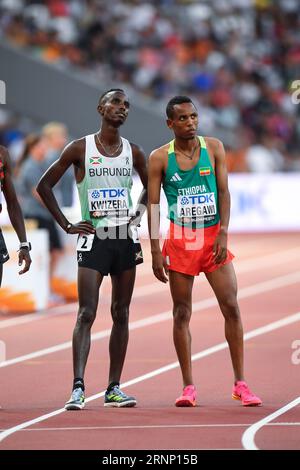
(56, 137)
(264, 157)
(13, 129)
(29, 169)
(10, 134)
(237, 58)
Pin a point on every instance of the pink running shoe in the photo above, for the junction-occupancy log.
(242, 392)
(188, 397)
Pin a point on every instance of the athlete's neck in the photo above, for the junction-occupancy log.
(108, 134)
(186, 144)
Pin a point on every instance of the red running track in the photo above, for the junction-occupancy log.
(37, 380)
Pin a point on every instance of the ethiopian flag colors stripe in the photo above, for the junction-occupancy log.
(204, 171)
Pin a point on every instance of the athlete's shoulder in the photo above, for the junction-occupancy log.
(214, 143)
(160, 152)
(77, 144)
(75, 148)
(216, 150)
(137, 149)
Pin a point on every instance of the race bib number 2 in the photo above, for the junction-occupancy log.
(85, 242)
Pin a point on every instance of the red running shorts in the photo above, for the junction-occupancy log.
(190, 251)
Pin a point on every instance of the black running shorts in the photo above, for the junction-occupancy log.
(4, 256)
(109, 251)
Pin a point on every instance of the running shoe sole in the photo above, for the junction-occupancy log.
(184, 402)
(236, 397)
(74, 406)
(127, 404)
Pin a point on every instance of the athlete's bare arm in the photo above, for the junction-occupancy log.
(14, 209)
(73, 154)
(156, 171)
(216, 150)
(140, 165)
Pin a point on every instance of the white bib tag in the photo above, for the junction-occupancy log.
(134, 233)
(85, 242)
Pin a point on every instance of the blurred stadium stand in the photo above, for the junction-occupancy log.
(44, 93)
(236, 58)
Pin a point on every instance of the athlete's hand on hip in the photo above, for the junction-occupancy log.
(24, 256)
(159, 266)
(220, 248)
(85, 227)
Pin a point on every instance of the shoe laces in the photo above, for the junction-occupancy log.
(77, 393)
(116, 390)
(242, 384)
(188, 390)
(243, 387)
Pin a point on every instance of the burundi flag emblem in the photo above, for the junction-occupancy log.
(95, 160)
(204, 171)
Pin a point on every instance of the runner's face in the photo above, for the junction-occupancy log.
(115, 109)
(184, 122)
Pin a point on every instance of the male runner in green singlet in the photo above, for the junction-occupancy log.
(107, 242)
(193, 173)
(15, 215)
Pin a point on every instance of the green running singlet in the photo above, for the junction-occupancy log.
(192, 195)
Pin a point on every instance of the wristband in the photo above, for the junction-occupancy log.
(25, 245)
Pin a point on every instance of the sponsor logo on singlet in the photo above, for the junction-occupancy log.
(196, 206)
(196, 202)
(176, 177)
(108, 201)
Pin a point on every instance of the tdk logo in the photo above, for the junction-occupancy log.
(108, 193)
(200, 199)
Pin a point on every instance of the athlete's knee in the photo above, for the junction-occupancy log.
(119, 313)
(86, 316)
(181, 313)
(230, 308)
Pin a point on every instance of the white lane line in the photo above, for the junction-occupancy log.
(206, 352)
(154, 426)
(241, 266)
(283, 424)
(245, 292)
(248, 438)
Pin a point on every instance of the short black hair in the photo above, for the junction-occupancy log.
(179, 99)
(101, 99)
